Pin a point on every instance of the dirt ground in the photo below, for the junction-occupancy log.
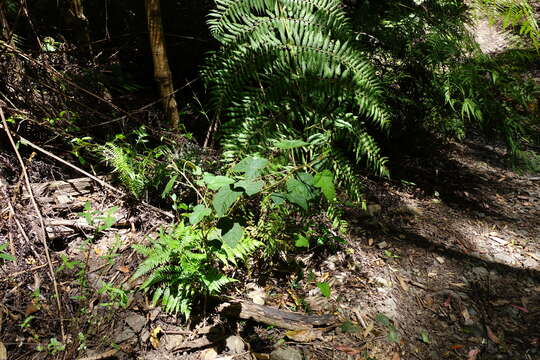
(447, 267)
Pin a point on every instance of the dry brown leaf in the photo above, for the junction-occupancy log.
(347, 349)
(31, 309)
(369, 328)
(154, 337)
(403, 283)
(466, 315)
(473, 354)
(3, 351)
(491, 335)
(303, 335)
(261, 356)
(123, 268)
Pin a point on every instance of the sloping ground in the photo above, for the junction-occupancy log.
(467, 236)
(447, 269)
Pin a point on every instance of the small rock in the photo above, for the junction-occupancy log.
(286, 353)
(124, 334)
(136, 322)
(314, 292)
(373, 209)
(154, 313)
(209, 354)
(257, 294)
(480, 271)
(171, 341)
(383, 282)
(235, 344)
(145, 335)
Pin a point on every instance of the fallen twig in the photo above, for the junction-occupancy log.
(103, 355)
(43, 232)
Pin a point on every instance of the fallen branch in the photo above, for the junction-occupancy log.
(270, 316)
(61, 228)
(95, 178)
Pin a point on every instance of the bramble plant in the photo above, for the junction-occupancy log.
(186, 260)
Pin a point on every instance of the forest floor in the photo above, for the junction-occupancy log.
(447, 266)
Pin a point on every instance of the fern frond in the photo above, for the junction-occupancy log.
(285, 69)
(124, 166)
(241, 251)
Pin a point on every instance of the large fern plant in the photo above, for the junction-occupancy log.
(289, 69)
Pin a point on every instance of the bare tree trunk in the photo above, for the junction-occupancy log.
(4, 25)
(80, 23)
(162, 72)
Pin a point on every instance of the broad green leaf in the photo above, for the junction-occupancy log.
(301, 241)
(224, 199)
(325, 288)
(325, 181)
(215, 234)
(199, 213)
(250, 187)
(232, 237)
(278, 198)
(299, 193)
(306, 178)
(290, 144)
(251, 166)
(216, 182)
(169, 186)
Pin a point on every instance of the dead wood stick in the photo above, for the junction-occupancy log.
(104, 355)
(95, 178)
(270, 316)
(82, 224)
(43, 232)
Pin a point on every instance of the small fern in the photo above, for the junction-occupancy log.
(125, 166)
(182, 264)
(178, 267)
